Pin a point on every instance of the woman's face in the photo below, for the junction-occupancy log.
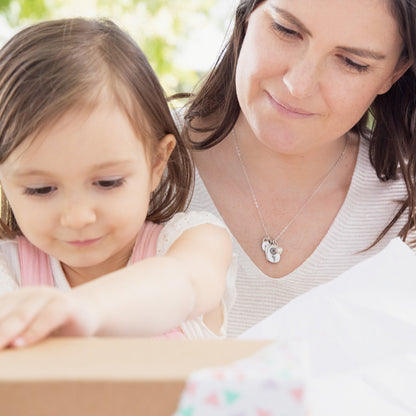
(308, 70)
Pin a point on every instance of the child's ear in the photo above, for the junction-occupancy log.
(161, 157)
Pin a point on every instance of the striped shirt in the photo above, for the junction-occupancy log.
(368, 208)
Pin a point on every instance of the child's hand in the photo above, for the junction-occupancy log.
(31, 314)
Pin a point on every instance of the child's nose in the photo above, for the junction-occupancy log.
(77, 214)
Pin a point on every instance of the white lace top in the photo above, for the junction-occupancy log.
(172, 230)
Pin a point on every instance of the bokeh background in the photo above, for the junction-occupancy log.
(181, 38)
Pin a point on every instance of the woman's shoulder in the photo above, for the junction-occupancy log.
(366, 177)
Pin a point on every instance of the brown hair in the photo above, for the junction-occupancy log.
(52, 67)
(392, 136)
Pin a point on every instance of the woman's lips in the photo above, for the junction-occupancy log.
(289, 110)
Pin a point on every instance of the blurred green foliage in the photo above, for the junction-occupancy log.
(159, 26)
(23, 10)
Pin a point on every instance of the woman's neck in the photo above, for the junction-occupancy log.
(284, 186)
(283, 173)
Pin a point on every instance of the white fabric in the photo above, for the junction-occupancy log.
(195, 329)
(368, 208)
(359, 333)
(7, 282)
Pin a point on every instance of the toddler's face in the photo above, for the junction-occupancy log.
(80, 190)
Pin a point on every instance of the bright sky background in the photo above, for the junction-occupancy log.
(205, 44)
(199, 52)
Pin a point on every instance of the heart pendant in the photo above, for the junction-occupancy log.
(271, 250)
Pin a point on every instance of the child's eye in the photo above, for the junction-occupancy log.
(285, 32)
(40, 191)
(353, 65)
(109, 183)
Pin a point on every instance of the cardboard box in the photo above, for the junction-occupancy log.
(107, 376)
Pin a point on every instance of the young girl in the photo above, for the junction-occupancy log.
(91, 166)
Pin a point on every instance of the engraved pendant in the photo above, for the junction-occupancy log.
(271, 250)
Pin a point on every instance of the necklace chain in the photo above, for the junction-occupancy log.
(270, 245)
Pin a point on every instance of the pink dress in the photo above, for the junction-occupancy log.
(36, 270)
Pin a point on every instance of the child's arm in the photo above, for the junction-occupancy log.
(146, 298)
(164, 291)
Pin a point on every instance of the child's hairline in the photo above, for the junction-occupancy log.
(90, 100)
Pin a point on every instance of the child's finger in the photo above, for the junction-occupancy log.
(8, 302)
(18, 311)
(28, 296)
(51, 317)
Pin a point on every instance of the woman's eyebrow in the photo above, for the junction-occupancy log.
(362, 53)
(292, 19)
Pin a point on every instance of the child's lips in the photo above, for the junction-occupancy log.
(84, 243)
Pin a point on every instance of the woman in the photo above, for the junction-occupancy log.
(283, 151)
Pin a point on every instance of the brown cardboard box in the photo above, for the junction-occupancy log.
(107, 376)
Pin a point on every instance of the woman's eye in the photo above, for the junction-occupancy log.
(40, 191)
(353, 65)
(284, 31)
(109, 183)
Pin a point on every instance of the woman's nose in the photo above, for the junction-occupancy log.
(302, 78)
(77, 214)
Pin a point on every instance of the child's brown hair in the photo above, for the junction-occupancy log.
(55, 66)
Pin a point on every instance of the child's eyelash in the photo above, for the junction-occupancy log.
(41, 191)
(110, 183)
(48, 190)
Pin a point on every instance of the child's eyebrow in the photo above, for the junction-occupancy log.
(30, 172)
(21, 173)
(114, 163)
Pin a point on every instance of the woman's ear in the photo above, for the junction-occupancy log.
(160, 159)
(402, 66)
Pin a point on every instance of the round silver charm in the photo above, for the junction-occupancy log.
(271, 250)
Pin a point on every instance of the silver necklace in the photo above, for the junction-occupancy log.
(270, 245)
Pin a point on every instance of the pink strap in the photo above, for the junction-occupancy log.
(146, 241)
(35, 269)
(146, 245)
